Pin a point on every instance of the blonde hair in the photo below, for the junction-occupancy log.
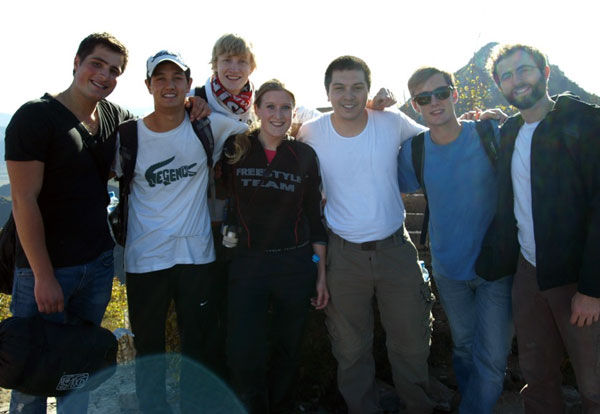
(241, 143)
(231, 44)
(241, 146)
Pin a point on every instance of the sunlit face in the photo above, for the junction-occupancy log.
(275, 113)
(439, 111)
(348, 93)
(233, 72)
(168, 85)
(521, 81)
(96, 76)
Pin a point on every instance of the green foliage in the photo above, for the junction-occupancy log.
(4, 306)
(477, 90)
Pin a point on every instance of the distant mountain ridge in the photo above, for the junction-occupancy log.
(5, 208)
(477, 88)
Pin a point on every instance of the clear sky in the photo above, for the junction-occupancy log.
(294, 41)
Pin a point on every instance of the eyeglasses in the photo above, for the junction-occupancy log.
(442, 93)
(521, 71)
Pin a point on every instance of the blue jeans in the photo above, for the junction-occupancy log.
(480, 317)
(86, 289)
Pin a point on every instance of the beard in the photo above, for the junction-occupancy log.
(525, 102)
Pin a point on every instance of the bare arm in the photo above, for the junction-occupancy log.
(198, 107)
(322, 299)
(477, 114)
(384, 99)
(26, 179)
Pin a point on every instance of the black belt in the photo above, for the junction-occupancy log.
(373, 245)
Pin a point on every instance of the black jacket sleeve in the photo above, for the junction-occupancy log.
(312, 199)
(589, 277)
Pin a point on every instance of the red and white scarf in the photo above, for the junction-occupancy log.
(237, 104)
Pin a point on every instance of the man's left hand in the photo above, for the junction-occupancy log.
(479, 115)
(494, 113)
(198, 108)
(384, 99)
(585, 310)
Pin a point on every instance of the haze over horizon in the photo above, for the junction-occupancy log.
(294, 41)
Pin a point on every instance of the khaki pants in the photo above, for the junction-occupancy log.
(389, 272)
(543, 334)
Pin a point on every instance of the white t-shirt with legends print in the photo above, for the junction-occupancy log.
(168, 220)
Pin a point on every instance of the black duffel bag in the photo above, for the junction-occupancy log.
(8, 247)
(43, 358)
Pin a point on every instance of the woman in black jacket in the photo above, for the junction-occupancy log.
(280, 254)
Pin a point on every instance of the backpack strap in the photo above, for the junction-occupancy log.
(128, 147)
(485, 130)
(418, 160)
(204, 133)
(203, 130)
(418, 157)
(200, 91)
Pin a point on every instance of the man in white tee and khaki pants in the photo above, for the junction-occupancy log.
(370, 254)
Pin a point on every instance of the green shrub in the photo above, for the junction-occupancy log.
(4, 304)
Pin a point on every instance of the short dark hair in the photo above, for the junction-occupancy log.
(347, 63)
(421, 75)
(87, 46)
(505, 51)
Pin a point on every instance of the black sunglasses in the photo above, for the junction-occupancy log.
(441, 93)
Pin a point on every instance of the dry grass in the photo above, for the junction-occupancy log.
(4, 304)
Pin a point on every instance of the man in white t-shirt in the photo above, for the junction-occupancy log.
(549, 229)
(370, 254)
(169, 242)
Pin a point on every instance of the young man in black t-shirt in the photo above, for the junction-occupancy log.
(64, 264)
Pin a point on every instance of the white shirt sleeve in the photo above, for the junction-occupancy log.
(408, 127)
(301, 134)
(305, 132)
(222, 128)
(304, 114)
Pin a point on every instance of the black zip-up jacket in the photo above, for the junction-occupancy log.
(565, 192)
(278, 205)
